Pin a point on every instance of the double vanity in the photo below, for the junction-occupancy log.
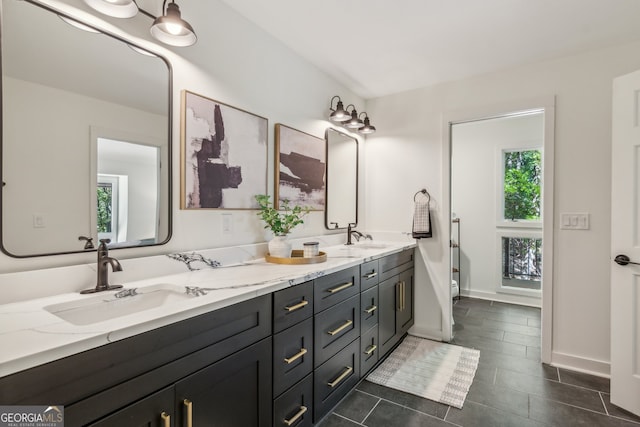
(254, 344)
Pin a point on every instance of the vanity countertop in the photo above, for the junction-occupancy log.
(32, 336)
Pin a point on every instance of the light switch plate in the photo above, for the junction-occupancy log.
(574, 221)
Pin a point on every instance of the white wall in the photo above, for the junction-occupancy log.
(405, 155)
(237, 63)
(476, 177)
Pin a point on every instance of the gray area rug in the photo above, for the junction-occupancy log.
(430, 369)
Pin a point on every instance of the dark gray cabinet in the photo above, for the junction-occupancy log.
(109, 385)
(235, 391)
(396, 305)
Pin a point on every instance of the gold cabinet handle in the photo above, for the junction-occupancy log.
(297, 416)
(370, 350)
(371, 275)
(298, 306)
(189, 405)
(340, 328)
(166, 419)
(371, 309)
(339, 288)
(342, 376)
(296, 356)
(404, 295)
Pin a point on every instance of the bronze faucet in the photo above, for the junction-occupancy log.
(104, 260)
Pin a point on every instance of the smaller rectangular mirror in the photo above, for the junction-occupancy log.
(342, 180)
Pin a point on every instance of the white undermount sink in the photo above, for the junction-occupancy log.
(106, 306)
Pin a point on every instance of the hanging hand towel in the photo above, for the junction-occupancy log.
(421, 216)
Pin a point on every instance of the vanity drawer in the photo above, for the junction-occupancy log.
(369, 274)
(335, 328)
(335, 378)
(369, 352)
(292, 305)
(369, 308)
(395, 263)
(295, 407)
(333, 288)
(292, 355)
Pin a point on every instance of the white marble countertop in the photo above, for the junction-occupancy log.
(32, 336)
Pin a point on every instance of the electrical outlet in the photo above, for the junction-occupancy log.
(227, 224)
(39, 220)
(574, 221)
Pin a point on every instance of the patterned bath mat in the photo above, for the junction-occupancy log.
(429, 369)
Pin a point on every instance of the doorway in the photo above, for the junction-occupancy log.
(516, 239)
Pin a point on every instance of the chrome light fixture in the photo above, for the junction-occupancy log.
(115, 8)
(367, 128)
(171, 29)
(354, 122)
(338, 114)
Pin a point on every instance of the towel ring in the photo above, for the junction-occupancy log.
(423, 191)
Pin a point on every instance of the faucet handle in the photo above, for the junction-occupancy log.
(105, 241)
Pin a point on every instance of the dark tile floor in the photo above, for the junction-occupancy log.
(511, 387)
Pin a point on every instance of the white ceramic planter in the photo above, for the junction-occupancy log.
(280, 247)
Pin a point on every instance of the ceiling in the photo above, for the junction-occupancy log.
(379, 47)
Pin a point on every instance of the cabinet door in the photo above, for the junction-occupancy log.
(388, 293)
(405, 312)
(153, 411)
(235, 391)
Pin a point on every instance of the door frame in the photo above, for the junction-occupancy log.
(546, 103)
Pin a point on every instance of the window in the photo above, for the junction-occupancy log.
(107, 204)
(521, 262)
(522, 185)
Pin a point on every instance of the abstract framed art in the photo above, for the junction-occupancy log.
(224, 155)
(300, 168)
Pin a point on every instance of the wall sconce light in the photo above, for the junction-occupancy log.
(169, 28)
(115, 8)
(338, 114)
(350, 119)
(354, 122)
(367, 128)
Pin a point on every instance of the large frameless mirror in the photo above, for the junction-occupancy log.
(86, 137)
(342, 180)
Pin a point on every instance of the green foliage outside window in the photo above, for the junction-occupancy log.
(105, 198)
(522, 177)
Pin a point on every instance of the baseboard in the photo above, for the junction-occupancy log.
(506, 298)
(581, 364)
(431, 334)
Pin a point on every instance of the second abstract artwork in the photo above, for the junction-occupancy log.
(300, 168)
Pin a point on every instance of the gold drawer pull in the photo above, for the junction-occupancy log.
(371, 275)
(297, 306)
(371, 309)
(189, 405)
(370, 350)
(297, 416)
(166, 419)
(296, 356)
(342, 376)
(339, 329)
(339, 288)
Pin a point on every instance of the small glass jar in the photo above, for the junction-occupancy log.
(311, 249)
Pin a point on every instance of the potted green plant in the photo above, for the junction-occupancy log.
(280, 222)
